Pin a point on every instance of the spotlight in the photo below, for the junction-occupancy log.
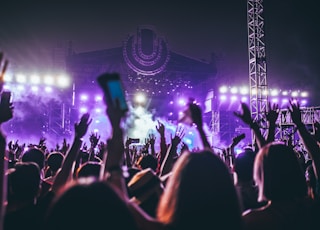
(140, 98)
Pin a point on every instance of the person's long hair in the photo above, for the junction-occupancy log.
(200, 194)
(278, 174)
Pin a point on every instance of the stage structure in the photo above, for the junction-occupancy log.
(147, 65)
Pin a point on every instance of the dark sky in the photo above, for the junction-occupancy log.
(29, 29)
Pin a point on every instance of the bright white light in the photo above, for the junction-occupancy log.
(275, 100)
(294, 94)
(7, 87)
(21, 78)
(244, 99)
(48, 89)
(303, 102)
(285, 100)
(182, 102)
(35, 79)
(285, 93)
(8, 77)
(254, 91)
(139, 111)
(34, 89)
(234, 98)
(96, 130)
(48, 80)
(188, 141)
(244, 90)
(98, 98)
(140, 98)
(139, 122)
(98, 110)
(83, 110)
(274, 92)
(304, 94)
(223, 98)
(234, 90)
(20, 87)
(265, 92)
(223, 89)
(63, 81)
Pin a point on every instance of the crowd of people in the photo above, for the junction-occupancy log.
(269, 185)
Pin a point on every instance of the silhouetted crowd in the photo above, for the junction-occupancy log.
(111, 184)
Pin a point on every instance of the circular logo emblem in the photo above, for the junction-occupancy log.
(146, 53)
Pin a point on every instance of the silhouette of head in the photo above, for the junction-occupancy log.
(86, 204)
(34, 155)
(200, 194)
(278, 174)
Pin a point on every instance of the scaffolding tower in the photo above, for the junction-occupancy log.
(257, 63)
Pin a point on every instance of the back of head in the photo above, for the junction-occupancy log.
(148, 161)
(34, 155)
(200, 193)
(23, 182)
(89, 169)
(88, 204)
(243, 165)
(54, 160)
(278, 173)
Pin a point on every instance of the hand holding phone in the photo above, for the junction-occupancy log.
(113, 89)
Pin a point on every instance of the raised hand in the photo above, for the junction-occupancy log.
(179, 134)
(294, 109)
(160, 128)
(94, 139)
(152, 139)
(65, 146)
(82, 127)
(244, 114)
(273, 113)
(196, 114)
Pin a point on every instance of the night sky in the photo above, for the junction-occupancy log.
(28, 31)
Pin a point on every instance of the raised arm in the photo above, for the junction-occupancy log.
(114, 160)
(163, 145)
(168, 161)
(245, 116)
(307, 139)
(65, 173)
(6, 113)
(272, 116)
(196, 116)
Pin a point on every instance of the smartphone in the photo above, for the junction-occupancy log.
(113, 89)
(134, 140)
(5, 98)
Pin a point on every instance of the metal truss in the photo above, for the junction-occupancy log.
(257, 62)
